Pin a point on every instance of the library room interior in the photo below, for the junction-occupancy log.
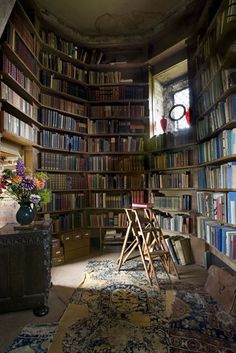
(118, 176)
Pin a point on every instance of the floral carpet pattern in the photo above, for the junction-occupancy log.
(115, 312)
(34, 339)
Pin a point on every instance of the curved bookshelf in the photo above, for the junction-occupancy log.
(214, 89)
(30, 52)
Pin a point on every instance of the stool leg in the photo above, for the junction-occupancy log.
(120, 259)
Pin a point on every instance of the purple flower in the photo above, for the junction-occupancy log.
(20, 167)
(28, 183)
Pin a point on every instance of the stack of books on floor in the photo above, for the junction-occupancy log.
(180, 249)
(113, 240)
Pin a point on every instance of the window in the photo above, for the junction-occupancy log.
(182, 97)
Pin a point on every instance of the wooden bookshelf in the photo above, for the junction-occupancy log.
(76, 102)
(172, 182)
(212, 68)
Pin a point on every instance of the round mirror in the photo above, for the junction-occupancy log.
(177, 112)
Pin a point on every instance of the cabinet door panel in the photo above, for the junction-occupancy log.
(34, 270)
(4, 274)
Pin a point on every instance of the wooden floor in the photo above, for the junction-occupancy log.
(65, 279)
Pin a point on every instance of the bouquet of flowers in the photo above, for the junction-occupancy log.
(23, 186)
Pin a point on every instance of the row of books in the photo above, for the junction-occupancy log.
(74, 89)
(55, 161)
(18, 127)
(62, 141)
(65, 201)
(222, 113)
(220, 236)
(63, 104)
(178, 223)
(17, 101)
(183, 158)
(96, 181)
(207, 74)
(14, 39)
(22, 28)
(67, 221)
(99, 181)
(180, 249)
(171, 139)
(29, 85)
(213, 205)
(85, 55)
(118, 93)
(183, 202)
(223, 80)
(67, 181)
(116, 163)
(175, 180)
(116, 144)
(218, 176)
(212, 93)
(108, 200)
(222, 145)
(55, 63)
(57, 120)
(112, 200)
(223, 25)
(101, 78)
(219, 206)
(108, 219)
(25, 55)
(115, 126)
(121, 110)
(63, 181)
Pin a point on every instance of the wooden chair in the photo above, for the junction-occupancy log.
(145, 237)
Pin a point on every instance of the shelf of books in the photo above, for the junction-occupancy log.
(20, 86)
(118, 129)
(213, 71)
(88, 118)
(173, 182)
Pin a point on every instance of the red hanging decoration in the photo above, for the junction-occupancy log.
(187, 116)
(163, 123)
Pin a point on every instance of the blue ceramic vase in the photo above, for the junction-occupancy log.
(26, 214)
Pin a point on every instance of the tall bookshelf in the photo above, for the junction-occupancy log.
(173, 182)
(20, 86)
(213, 69)
(118, 129)
(83, 122)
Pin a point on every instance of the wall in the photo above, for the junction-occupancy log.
(8, 207)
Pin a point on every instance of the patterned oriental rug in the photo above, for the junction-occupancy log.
(115, 312)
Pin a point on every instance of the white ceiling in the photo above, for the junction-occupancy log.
(101, 20)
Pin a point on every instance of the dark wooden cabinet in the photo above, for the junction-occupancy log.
(25, 267)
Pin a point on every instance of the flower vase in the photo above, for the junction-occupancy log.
(26, 214)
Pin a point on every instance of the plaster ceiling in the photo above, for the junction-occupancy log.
(102, 20)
